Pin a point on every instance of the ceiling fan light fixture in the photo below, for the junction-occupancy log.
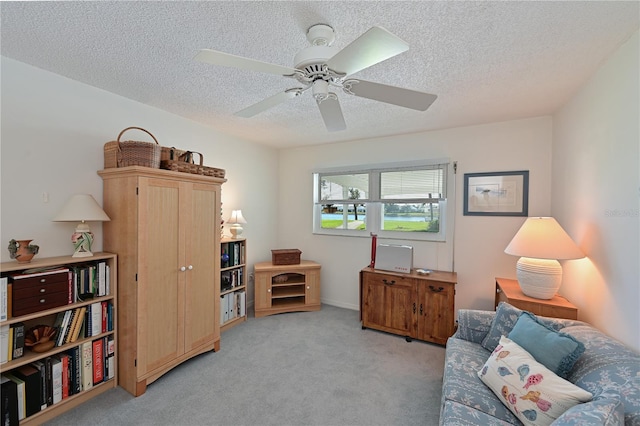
(320, 90)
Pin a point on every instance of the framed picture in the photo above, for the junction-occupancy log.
(496, 194)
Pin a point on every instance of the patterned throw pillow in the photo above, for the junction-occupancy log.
(555, 350)
(530, 390)
(503, 322)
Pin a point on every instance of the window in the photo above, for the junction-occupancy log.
(405, 201)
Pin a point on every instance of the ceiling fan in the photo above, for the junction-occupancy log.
(322, 67)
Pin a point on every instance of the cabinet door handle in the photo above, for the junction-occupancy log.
(437, 290)
(414, 307)
(43, 290)
(43, 300)
(392, 282)
(308, 287)
(421, 311)
(268, 290)
(190, 267)
(182, 268)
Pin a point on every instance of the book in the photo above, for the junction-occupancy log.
(75, 362)
(40, 366)
(9, 401)
(18, 340)
(64, 360)
(63, 327)
(37, 272)
(102, 283)
(31, 377)
(4, 343)
(56, 379)
(77, 327)
(104, 317)
(98, 361)
(110, 358)
(4, 301)
(9, 348)
(48, 364)
(96, 318)
(21, 395)
(87, 365)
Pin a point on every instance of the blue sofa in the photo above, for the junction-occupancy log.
(607, 369)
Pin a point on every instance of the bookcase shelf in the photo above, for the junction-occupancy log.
(48, 316)
(233, 282)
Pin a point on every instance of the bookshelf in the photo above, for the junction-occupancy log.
(287, 288)
(233, 282)
(45, 311)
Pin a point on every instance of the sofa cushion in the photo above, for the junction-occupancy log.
(462, 385)
(607, 366)
(555, 350)
(506, 317)
(456, 414)
(605, 412)
(531, 391)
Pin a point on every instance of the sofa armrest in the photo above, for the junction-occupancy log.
(473, 325)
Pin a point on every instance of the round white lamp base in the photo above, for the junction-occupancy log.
(539, 278)
(236, 230)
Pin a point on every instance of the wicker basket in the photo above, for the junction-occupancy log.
(285, 257)
(132, 153)
(172, 153)
(186, 164)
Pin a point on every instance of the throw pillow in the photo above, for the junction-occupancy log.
(531, 391)
(555, 350)
(503, 322)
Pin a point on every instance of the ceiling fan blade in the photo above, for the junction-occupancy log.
(332, 113)
(269, 102)
(228, 60)
(390, 94)
(372, 47)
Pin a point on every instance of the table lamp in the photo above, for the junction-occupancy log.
(82, 208)
(541, 242)
(236, 219)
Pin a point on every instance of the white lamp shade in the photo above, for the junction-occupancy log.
(236, 217)
(543, 238)
(81, 208)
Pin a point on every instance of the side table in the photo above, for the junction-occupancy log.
(508, 290)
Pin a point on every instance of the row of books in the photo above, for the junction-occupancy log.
(86, 281)
(72, 324)
(232, 254)
(233, 305)
(231, 279)
(11, 341)
(85, 321)
(30, 388)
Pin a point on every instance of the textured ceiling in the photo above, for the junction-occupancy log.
(486, 61)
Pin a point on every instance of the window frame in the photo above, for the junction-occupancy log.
(375, 205)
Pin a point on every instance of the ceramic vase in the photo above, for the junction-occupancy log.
(22, 250)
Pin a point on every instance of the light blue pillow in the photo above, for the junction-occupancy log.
(504, 320)
(555, 350)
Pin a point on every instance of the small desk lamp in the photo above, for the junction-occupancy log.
(82, 208)
(236, 220)
(540, 242)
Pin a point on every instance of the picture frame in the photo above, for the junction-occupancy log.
(496, 193)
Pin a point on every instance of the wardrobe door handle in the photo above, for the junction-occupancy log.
(392, 282)
(437, 290)
(183, 268)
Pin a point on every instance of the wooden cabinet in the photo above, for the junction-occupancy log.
(286, 288)
(233, 282)
(165, 227)
(411, 305)
(509, 291)
(47, 316)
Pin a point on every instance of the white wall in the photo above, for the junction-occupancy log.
(479, 241)
(596, 183)
(52, 138)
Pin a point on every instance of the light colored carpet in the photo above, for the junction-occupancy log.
(306, 368)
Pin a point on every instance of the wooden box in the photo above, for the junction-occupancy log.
(285, 257)
(36, 293)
